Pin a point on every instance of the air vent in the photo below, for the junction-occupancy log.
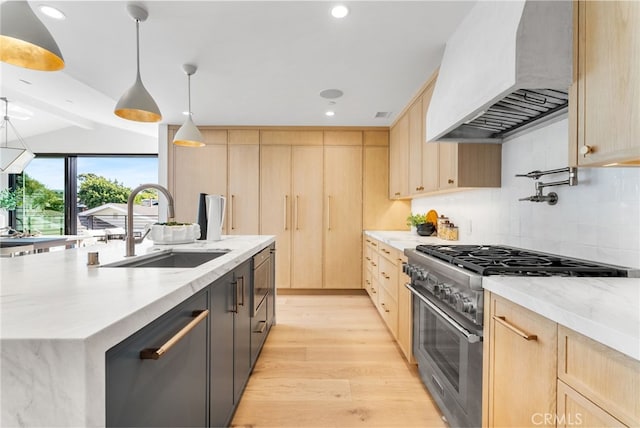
(382, 114)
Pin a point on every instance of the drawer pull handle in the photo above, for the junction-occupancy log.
(263, 326)
(374, 244)
(373, 264)
(384, 274)
(516, 330)
(384, 307)
(156, 353)
(373, 290)
(368, 258)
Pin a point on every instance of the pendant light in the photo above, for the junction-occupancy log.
(188, 135)
(137, 104)
(14, 156)
(25, 41)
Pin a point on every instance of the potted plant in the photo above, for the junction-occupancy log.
(418, 222)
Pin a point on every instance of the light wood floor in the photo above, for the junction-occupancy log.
(331, 362)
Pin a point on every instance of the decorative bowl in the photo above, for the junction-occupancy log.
(425, 229)
(174, 234)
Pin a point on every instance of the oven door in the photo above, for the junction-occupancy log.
(449, 360)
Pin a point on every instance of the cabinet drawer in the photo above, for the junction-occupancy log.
(170, 390)
(388, 252)
(375, 292)
(389, 310)
(367, 281)
(259, 330)
(373, 264)
(604, 376)
(388, 275)
(575, 410)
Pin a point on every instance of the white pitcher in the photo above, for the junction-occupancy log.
(216, 205)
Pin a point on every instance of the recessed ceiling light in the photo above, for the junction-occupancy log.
(339, 11)
(52, 12)
(330, 113)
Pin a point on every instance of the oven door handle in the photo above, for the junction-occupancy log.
(471, 337)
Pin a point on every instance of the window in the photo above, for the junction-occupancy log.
(65, 194)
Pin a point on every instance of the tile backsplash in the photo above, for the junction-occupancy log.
(599, 219)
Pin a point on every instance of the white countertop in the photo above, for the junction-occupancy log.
(401, 239)
(59, 316)
(605, 309)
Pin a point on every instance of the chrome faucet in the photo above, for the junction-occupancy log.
(131, 241)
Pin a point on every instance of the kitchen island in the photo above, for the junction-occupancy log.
(59, 317)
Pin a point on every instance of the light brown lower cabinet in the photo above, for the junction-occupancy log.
(384, 281)
(522, 364)
(540, 373)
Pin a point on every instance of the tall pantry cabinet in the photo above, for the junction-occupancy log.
(343, 209)
(291, 204)
(244, 180)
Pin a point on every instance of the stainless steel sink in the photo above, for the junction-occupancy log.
(170, 259)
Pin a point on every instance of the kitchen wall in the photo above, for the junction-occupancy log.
(597, 220)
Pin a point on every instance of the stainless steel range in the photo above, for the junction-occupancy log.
(446, 282)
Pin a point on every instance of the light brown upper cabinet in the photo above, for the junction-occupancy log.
(197, 170)
(416, 184)
(244, 178)
(399, 159)
(469, 165)
(343, 216)
(418, 168)
(430, 151)
(379, 212)
(423, 157)
(605, 97)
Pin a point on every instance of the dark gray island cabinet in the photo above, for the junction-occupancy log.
(199, 379)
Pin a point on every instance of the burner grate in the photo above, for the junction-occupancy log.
(501, 260)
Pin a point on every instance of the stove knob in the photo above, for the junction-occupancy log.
(422, 274)
(445, 292)
(455, 298)
(437, 288)
(463, 305)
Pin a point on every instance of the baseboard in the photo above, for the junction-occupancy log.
(322, 291)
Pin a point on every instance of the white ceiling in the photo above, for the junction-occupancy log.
(259, 63)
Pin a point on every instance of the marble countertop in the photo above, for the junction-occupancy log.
(59, 316)
(401, 239)
(605, 309)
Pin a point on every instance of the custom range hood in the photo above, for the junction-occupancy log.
(506, 68)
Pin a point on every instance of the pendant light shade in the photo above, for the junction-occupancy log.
(25, 41)
(137, 104)
(188, 135)
(14, 155)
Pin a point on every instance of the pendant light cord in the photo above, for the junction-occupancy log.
(189, 90)
(138, 46)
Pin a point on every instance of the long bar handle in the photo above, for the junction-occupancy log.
(516, 330)
(296, 213)
(328, 212)
(233, 223)
(241, 290)
(156, 353)
(286, 206)
(235, 297)
(384, 307)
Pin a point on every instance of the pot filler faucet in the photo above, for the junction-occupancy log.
(552, 197)
(131, 241)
